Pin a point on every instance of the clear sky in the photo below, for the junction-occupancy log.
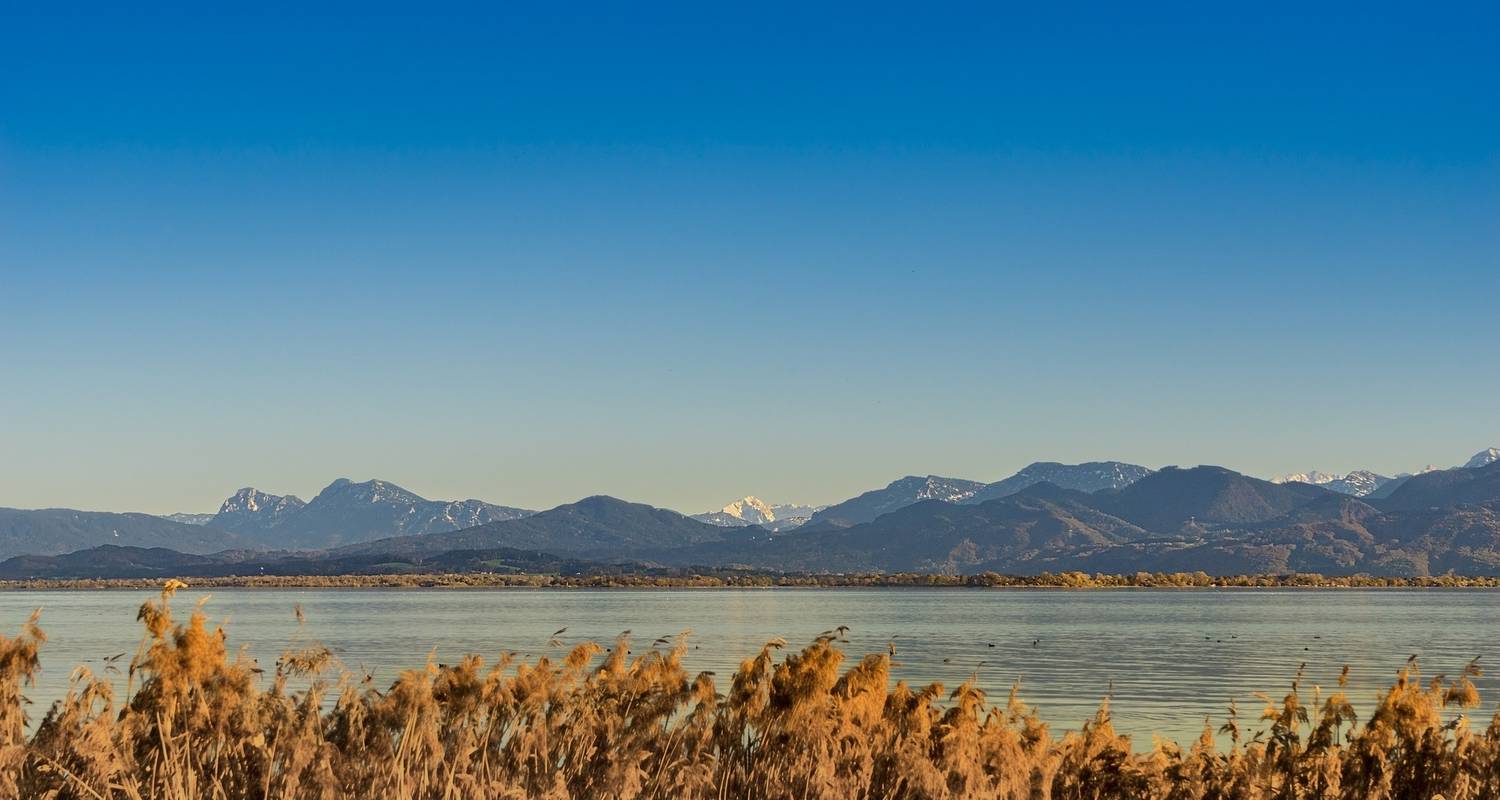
(679, 253)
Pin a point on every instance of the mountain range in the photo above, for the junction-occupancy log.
(1204, 518)
(1359, 483)
(1364, 483)
(1097, 516)
(346, 512)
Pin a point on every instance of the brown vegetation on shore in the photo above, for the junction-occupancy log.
(735, 579)
(194, 721)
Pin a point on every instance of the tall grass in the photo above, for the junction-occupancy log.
(197, 721)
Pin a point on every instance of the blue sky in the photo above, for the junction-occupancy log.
(681, 253)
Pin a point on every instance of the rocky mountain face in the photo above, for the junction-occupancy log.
(750, 510)
(1483, 458)
(252, 512)
(1092, 476)
(346, 512)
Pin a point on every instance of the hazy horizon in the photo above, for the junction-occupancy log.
(681, 254)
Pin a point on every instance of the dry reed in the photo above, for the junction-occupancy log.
(196, 721)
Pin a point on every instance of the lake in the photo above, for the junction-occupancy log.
(1166, 658)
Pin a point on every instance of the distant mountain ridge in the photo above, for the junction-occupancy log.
(346, 512)
(936, 536)
(600, 526)
(1359, 483)
(897, 494)
(1092, 476)
(1172, 497)
(52, 531)
(1447, 488)
(1203, 518)
(1364, 483)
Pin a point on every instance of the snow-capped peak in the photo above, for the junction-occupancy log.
(751, 509)
(1315, 477)
(936, 487)
(1358, 483)
(247, 499)
(1483, 458)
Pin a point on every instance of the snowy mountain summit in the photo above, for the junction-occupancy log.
(751, 510)
(1483, 458)
(251, 509)
(1363, 483)
(1092, 476)
(1359, 483)
(1314, 477)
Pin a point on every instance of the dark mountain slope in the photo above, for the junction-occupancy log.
(1447, 488)
(63, 530)
(932, 536)
(598, 527)
(897, 494)
(1092, 476)
(134, 562)
(1165, 500)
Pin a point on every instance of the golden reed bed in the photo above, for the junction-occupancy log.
(194, 722)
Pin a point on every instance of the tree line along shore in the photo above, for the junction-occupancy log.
(732, 579)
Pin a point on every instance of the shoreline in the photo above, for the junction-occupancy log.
(1046, 581)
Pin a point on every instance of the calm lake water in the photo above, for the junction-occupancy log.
(1166, 658)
